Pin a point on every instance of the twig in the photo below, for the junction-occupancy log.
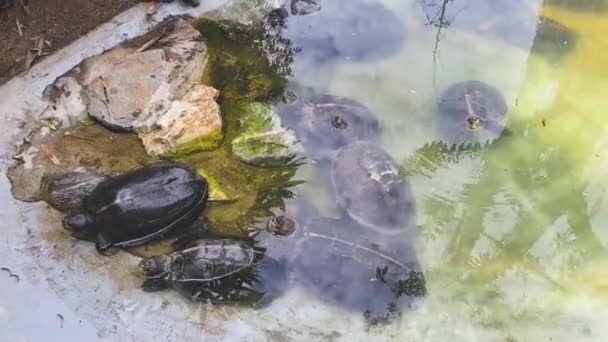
(50, 155)
(19, 27)
(152, 41)
(60, 320)
(30, 58)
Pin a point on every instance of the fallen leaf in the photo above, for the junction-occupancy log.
(543, 121)
(50, 155)
(53, 125)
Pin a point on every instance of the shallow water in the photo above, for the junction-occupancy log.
(512, 238)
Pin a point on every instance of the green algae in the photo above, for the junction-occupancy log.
(248, 84)
(237, 64)
(207, 142)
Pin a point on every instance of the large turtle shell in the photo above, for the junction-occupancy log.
(344, 264)
(325, 123)
(141, 205)
(369, 188)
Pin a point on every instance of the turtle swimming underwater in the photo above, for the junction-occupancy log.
(471, 111)
(141, 205)
(339, 30)
(219, 270)
(370, 189)
(347, 264)
(325, 123)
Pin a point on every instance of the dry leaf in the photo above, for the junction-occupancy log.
(50, 155)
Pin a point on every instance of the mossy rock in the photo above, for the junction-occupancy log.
(267, 149)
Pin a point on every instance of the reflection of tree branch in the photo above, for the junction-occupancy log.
(438, 20)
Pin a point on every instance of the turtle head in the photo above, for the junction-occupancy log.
(281, 225)
(155, 266)
(77, 222)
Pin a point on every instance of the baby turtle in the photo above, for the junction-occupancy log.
(471, 111)
(370, 189)
(136, 207)
(325, 123)
(219, 270)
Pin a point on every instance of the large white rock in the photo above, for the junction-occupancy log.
(155, 93)
(191, 123)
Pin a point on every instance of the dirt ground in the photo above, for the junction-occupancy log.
(57, 21)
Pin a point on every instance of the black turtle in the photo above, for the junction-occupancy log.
(218, 270)
(471, 111)
(325, 123)
(136, 207)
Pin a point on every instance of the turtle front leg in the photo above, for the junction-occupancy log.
(154, 284)
(105, 247)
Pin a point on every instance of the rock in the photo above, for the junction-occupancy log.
(269, 149)
(155, 93)
(264, 142)
(192, 123)
(131, 90)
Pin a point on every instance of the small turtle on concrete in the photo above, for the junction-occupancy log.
(136, 207)
(325, 123)
(471, 111)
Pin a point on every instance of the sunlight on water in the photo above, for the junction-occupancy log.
(513, 235)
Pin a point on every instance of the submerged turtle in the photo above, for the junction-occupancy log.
(352, 30)
(347, 264)
(325, 123)
(136, 207)
(219, 270)
(370, 189)
(471, 111)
